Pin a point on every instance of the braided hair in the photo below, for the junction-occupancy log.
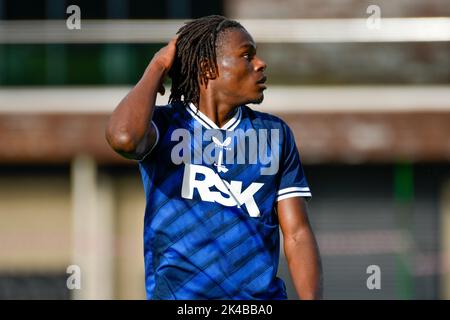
(197, 41)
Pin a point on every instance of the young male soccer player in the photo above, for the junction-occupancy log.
(219, 177)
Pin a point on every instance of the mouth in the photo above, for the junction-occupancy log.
(261, 82)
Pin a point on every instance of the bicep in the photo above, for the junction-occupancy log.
(293, 216)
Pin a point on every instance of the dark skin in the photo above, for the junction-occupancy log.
(237, 81)
(300, 248)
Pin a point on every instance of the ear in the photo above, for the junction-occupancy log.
(207, 71)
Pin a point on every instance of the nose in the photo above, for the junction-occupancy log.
(260, 65)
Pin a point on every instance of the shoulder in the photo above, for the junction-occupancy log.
(168, 109)
(167, 113)
(265, 120)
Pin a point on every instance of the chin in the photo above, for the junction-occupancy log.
(258, 100)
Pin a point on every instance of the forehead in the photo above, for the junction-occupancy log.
(234, 39)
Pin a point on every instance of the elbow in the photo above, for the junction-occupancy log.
(298, 236)
(120, 141)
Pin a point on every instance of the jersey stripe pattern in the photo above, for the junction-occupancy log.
(211, 229)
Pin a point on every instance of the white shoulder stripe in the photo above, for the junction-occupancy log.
(294, 194)
(286, 190)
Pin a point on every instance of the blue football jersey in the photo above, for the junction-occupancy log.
(211, 228)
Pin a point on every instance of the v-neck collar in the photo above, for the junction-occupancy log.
(208, 123)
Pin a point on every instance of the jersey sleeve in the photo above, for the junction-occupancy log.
(152, 123)
(293, 182)
(159, 123)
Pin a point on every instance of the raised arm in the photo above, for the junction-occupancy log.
(300, 248)
(129, 131)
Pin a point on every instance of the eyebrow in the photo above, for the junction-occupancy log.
(248, 45)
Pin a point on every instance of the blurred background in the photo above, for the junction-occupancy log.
(363, 84)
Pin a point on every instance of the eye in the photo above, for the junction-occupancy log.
(247, 56)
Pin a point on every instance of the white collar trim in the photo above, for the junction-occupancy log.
(209, 124)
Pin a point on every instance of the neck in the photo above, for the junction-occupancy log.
(219, 113)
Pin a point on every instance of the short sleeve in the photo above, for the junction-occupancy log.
(152, 123)
(293, 182)
(161, 119)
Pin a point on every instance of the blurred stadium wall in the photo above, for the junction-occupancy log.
(370, 109)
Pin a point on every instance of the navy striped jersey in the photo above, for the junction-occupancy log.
(211, 228)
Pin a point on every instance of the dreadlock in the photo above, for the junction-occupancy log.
(196, 42)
